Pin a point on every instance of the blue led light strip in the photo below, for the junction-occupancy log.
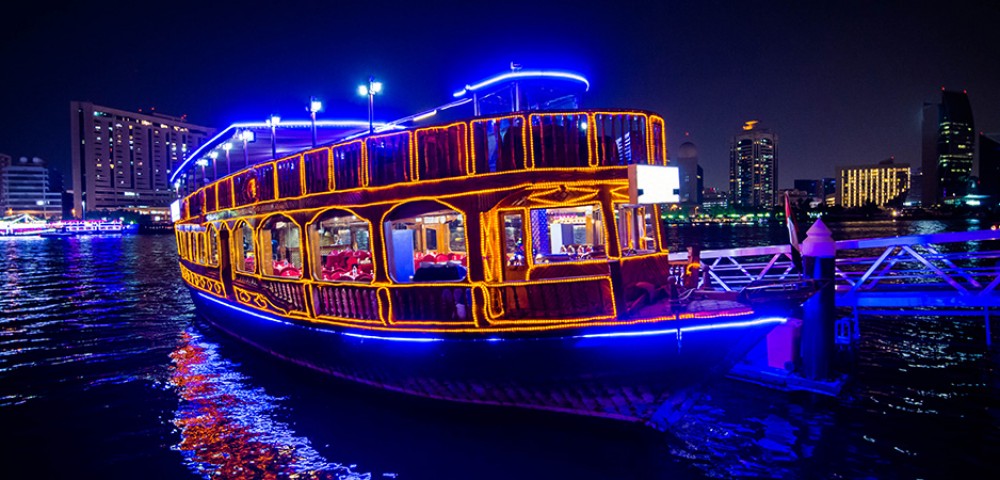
(523, 74)
(357, 335)
(229, 132)
(668, 331)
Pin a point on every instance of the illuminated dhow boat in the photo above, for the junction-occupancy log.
(513, 257)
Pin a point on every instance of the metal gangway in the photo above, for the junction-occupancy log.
(953, 273)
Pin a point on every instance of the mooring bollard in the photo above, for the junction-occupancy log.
(819, 253)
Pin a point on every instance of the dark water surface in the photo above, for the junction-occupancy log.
(105, 372)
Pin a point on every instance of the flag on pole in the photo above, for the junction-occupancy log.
(793, 236)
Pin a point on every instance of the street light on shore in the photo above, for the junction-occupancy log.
(314, 106)
(273, 123)
(371, 89)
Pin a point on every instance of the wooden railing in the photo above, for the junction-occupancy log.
(435, 303)
(551, 300)
(281, 294)
(357, 302)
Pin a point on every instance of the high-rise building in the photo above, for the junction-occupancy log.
(691, 173)
(887, 182)
(753, 168)
(989, 166)
(812, 187)
(25, 187)
(715, 198)
(122, 160)
(948, 147)
(829, 186)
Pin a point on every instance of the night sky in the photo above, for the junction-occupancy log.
(841, 84)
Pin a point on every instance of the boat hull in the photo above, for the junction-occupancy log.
(638, 375)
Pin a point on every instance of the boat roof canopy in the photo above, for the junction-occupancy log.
(510, 91)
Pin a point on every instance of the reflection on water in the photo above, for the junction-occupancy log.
(227, 426)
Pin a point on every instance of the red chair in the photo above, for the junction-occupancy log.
(441, 258)
(351, 261)
(291, 272)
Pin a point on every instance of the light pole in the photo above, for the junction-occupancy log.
(202, 162)
(273, 123)
(247, 136)
(314, 106)
(214, 155)
(229, 165)
(371, 89)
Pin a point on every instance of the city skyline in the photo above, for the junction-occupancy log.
(840, 84)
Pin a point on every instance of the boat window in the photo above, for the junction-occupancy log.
(280, 248)
(567, 234)
(213, 245)
(199, 249)
(243, 246)
(498, 144)
(515, 261)
(441, 152)
(317, 167)
(341, 248)
(289, 180)
(189, 246)
(621, 139)
(559, 141)
(247, 187)
(226, 193)
(427, 247)
(210, 197)
(180, 242)
(265, 182)
(347, 165)
(389, 159)
(636, 229)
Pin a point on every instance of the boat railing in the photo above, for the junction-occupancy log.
(481, 146)
(285, 296)
(346, 301)
(435, 303)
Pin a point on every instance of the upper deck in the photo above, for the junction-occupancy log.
(575, 143)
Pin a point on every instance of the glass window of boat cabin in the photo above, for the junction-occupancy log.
(636, 229)
(340, 244)
(199, 238)
(243, 247)
(280, 247)
(427, 247)
(567, 234)
(212, 235)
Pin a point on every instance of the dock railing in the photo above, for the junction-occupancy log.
(732, 269)
(956, 269)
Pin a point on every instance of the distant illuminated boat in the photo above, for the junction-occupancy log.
(22, 226)
(509, 257)
(72, 228)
